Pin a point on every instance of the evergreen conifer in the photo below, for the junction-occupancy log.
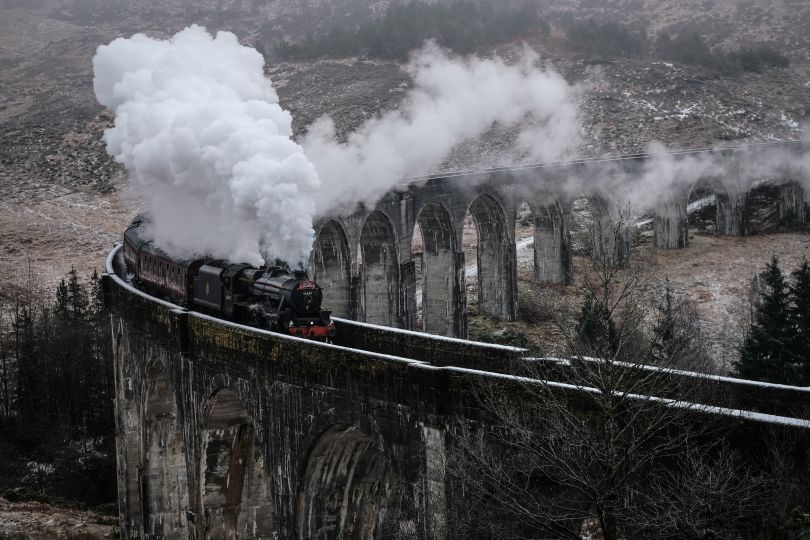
(595, 330)
(77, 296)
(799, 315)
(96, 297)
(765, 355)
(676, 339)
(663, 341)
(62, 306)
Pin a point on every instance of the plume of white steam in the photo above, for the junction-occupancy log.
(668, 175)
(453, 100)
(199, 128)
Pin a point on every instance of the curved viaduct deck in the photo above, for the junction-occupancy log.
(364, 261)
(228, 431)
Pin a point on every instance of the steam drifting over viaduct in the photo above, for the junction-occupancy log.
(365, 265)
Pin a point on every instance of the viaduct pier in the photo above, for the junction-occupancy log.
(364, 260)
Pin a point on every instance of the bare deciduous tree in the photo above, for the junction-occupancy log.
(612, 435)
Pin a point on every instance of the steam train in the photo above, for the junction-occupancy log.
(267, 297)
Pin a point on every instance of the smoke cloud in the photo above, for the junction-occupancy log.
(453, 100)
(199, 128)
(204, 139)
(667, 174)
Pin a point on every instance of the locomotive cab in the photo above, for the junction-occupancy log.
(216, 286)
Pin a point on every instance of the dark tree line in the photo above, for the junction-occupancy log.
(465, 26)
(613, 39)
(777, 348)
(606, 39)
(461, 25)
(691, 48)
(56, 394)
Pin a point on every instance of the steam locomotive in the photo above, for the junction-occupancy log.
(268, 297)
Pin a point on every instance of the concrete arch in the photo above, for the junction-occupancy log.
(164, 481)
(350, 491)
(442, 303)
(235, 491)
(497, 267)
(775, 203)
(331, 268)
(378, 295)
(552, 257)
(731, 205)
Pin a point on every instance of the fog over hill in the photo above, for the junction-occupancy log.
(46, 47)
(53, 166)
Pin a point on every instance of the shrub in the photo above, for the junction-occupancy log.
(690, 48)
(759, 58)
(610, 39)
(507, 336)
(685, 48)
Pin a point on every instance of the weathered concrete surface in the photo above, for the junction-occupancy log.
(792, 205)
(670, 223)
(225, 432)
(364, 262)
(228, 431)
(435, 351)
(442, 287)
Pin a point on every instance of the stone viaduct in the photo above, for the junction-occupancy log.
(364, 261)
(228, 431)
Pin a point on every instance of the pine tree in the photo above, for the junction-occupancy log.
(100, 419)
(799, 315)
(29, 392)
(62, 305)
(663, 341)
(77, 296)
(595, 330)
(765, 355)
(676, 339)
(62, 381)
(96, 297)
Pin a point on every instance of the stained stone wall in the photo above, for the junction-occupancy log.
(228, 431)
(225, 431)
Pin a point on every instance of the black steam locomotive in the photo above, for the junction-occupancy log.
(268, 297)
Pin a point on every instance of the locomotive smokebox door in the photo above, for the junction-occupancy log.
(208, 287)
